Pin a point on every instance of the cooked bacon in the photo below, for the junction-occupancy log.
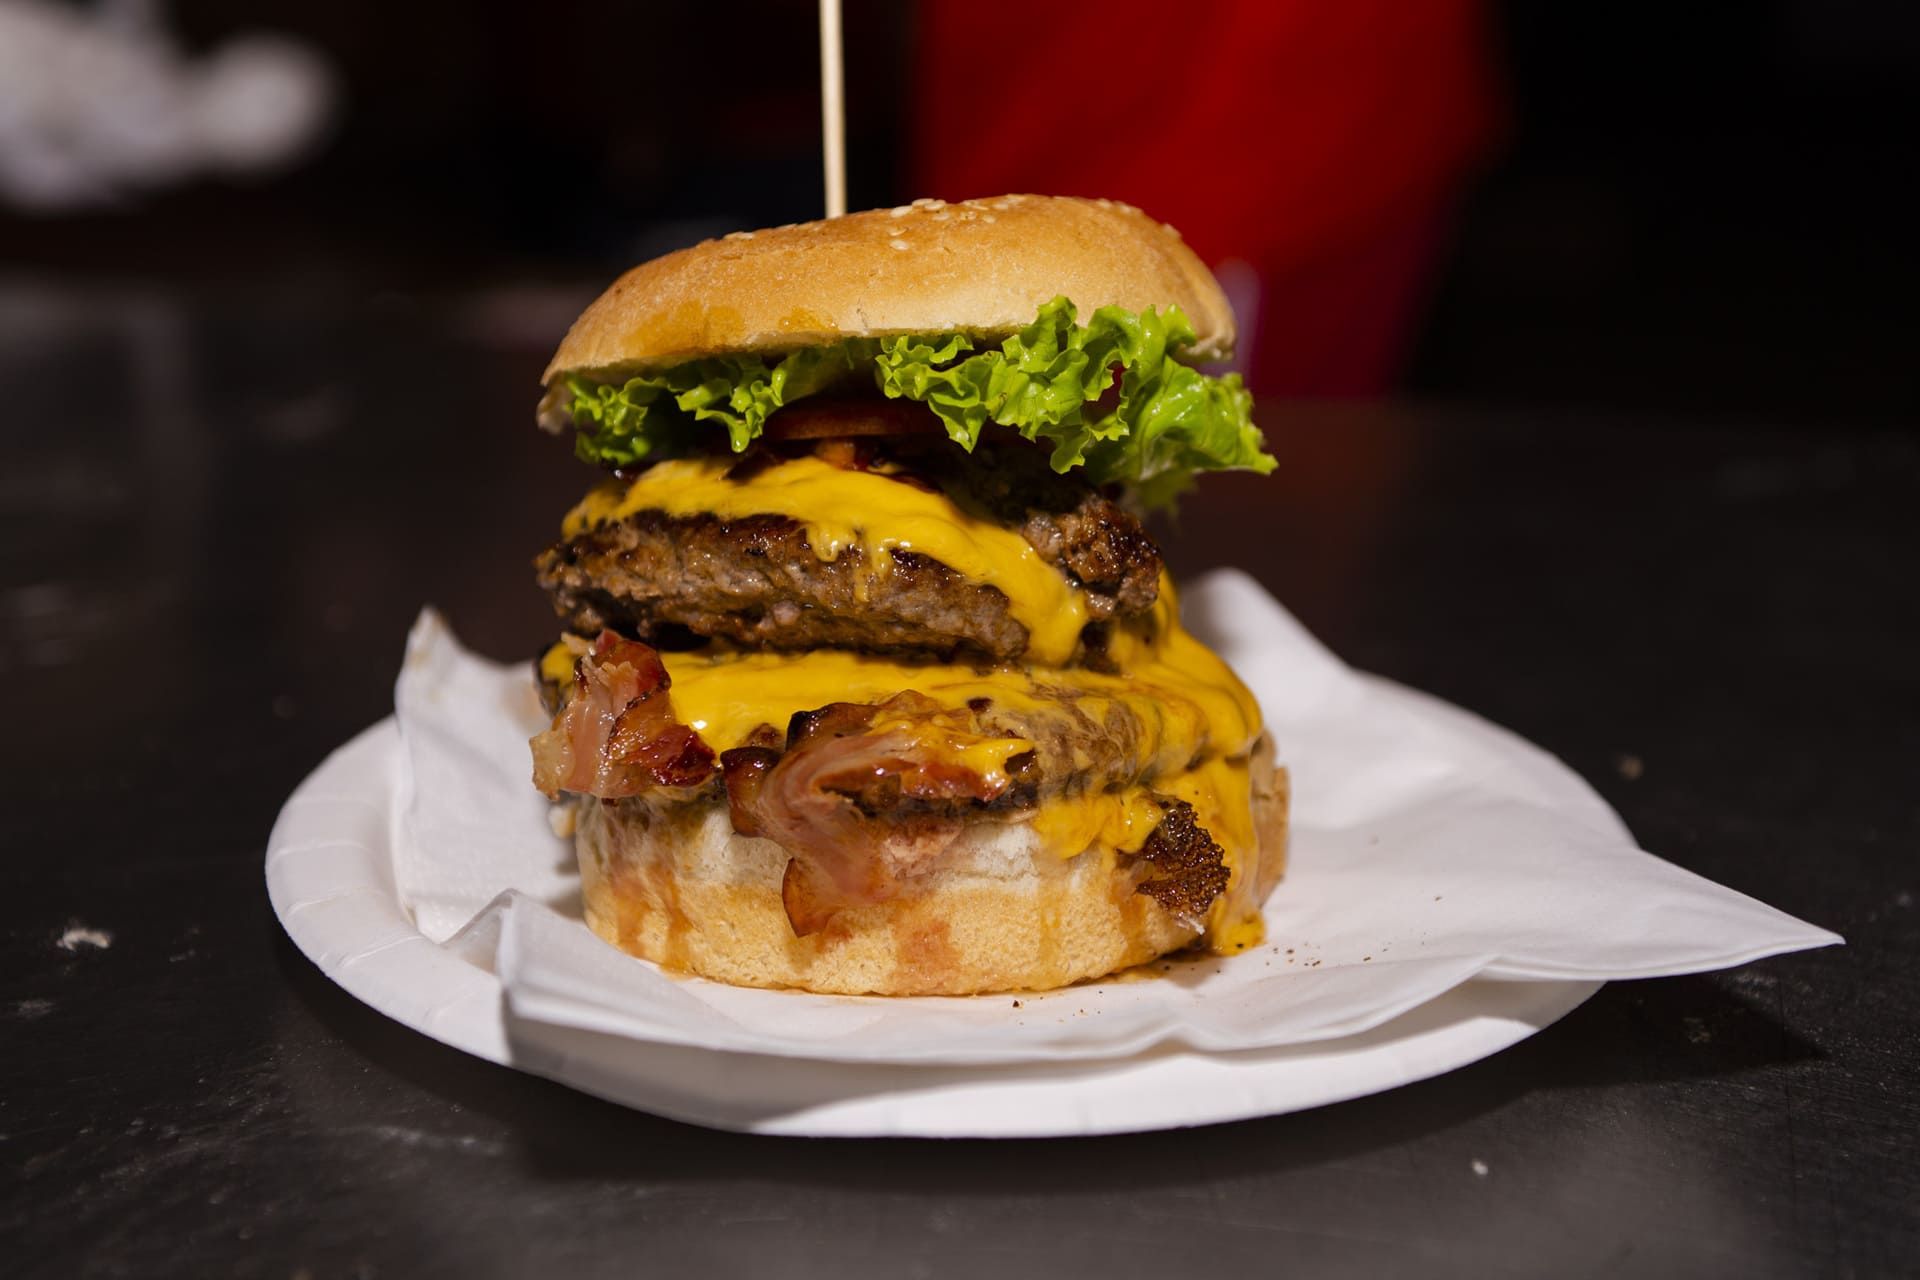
(1189, 866)
(835, 720)
(1075, 737)
(815, 801)
(745, 769)
(810, 898)
(616, 735)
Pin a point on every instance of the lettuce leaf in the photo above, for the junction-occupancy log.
(1054, 382)
(1050, 382)
(654, 415)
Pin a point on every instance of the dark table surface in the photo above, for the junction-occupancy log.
(221, 516)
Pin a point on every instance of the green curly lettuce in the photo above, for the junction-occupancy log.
(655, 415)
(1050, 382)
(1054, 382)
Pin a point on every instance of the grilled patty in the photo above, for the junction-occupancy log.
(757, 582)
(1098, 543)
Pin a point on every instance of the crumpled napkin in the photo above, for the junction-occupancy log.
(1428, 847)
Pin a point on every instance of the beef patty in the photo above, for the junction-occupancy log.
(756, 581)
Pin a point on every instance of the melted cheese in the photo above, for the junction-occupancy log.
(556, 664)
(985, 756)
(1201, 719)
(1116, 820)
(1221, 793)
(868, 510)
(1179, 687)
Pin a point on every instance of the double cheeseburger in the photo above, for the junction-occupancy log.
(871, 680)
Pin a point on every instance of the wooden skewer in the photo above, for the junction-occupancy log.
(833, 109)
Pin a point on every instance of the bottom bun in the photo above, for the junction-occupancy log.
(675, 884)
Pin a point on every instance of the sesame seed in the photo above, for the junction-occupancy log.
(898, 243)
(901, 211)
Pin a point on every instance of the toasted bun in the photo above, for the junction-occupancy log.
(981, 267)
(676, 885)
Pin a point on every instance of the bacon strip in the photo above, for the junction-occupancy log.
(616, 735)
(816, 801)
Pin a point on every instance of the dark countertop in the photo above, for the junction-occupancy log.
(207, 572)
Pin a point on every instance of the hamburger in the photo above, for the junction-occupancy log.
(871, 679)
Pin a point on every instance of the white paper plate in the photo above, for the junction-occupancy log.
(330, 877)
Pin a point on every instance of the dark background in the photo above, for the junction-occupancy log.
(1703, 207)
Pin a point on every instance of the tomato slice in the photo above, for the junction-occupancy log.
(827, 417)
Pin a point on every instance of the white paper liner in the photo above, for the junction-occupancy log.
(1428, 848)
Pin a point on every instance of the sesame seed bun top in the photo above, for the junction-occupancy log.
(981, 267)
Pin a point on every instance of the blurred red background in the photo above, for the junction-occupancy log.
(1312, 153)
